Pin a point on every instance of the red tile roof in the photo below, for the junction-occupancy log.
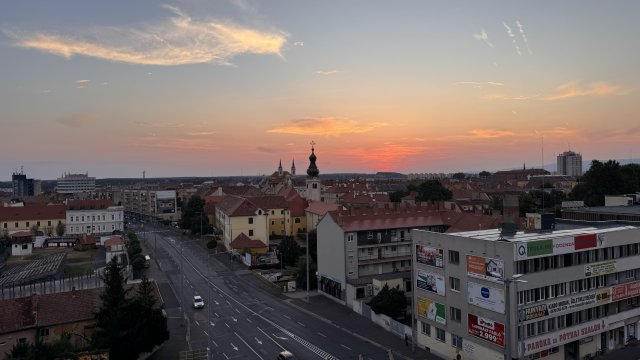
(242, 241)
(113, 241)
(237, 206)
(21, 237)
(320, 208)
(89, 204)
(370, 220)
(36, 212)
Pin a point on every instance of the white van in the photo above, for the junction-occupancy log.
(147, 261)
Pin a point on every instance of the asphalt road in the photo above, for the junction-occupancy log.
(245, 318)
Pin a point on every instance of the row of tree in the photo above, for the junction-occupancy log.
(430, 190)
(193, 217)
(608, 178)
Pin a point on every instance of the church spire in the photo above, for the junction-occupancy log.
(312, 171)
(293, 167)
(280, 168)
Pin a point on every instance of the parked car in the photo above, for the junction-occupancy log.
(198, 303)
(286, 355)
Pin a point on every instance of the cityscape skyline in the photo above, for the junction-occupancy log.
(192, 88)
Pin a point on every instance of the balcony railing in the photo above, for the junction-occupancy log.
(385, 256)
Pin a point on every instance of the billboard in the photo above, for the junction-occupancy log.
(431, 282)
(166, 202)
(485, 268)
(486, 297)
(625, 291)
(558, 246)
(486, 329)
(432, 310)
(563, 336)
(566, 304)
(429, 256)
(601, 268)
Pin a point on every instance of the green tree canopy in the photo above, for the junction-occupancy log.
(397, 196)
(301, 273)
(193, 216)
(390, 302)
(484, 174)
(432, 190)
(60, 228)
(290, 250)
(608, 178)
(459, 176)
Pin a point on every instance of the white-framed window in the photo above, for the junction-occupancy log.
(250, 220)
(440, 334)
(456, 341)
(454, 257)
(426, 329)
(456, 314)
(250, 232)
(454, 283)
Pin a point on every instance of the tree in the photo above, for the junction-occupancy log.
(397, 196)
(150, 325)
(112, 317)
(313, 245)
(459, 176)
(193, 216)
(484, 174)
(34, 229)
(290, 250)
(432, 190)
(390, 302)
(61, 348)
(212, 244)
(301, 273)
(60, 228)
(602, 179)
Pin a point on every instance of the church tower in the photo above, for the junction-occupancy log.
(313, 181)
(293, 167)
(280, 169)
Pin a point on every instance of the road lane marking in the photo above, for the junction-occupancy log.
(346, 347)
(323, 335)
(287, 316)
(233, 346)
(216, 314)
(214, 343)
(258, 341)
(241, 339)
(228, 325)
(206, 333)
(238, 311)
(301, 323)
(225, 355)
(197, 323)
(249, 320)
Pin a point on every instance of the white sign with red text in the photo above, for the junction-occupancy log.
(567, 335)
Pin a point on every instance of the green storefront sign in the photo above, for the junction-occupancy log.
(540, 247)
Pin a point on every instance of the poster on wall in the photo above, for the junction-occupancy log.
(601, 268)
(558, 246)
(431, 282)
(432, 310)
(486, 297)
(485, 268)
(565, 304)
(486, 329)
(429, 256)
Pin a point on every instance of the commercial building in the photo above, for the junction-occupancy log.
(97, 217)
(43, 218)
(25, 187)
(75, 184)
(569, 163)
(561, 294)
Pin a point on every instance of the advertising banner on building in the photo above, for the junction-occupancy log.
(486, 297)
(625, 291)
(558, 246)
(565, 304)
(166, 202)
(557, 338)
(431, 282)
(429, 256)
(485, 268)
(601, 268)
(486, 329)
(431, 310)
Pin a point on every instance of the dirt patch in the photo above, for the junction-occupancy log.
(73, 257)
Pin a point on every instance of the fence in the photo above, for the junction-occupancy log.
(52, 286)
(397, 328)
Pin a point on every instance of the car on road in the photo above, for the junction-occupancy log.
(198, 303)
(286, 355)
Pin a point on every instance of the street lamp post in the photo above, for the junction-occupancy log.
(307, 236)
(507, 282)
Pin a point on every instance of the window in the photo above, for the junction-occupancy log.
(113, 216)
(27, 224)
(454, 257)
(16, 225)
(456, 314)
(297, 221)
(454, 283)
(49, 223)
(456, 341)
(250, 232)
(273, 212)
(38, 223)
(44, 332)
(5, 225)
(25, 246)
(440, 334)
(350, 238)
(426, 329)
(250, 220)
(273, 222)
(281, 212)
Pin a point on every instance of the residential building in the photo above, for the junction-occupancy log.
(21, 243)
(360, 248)
(569, 163)
(160, 204)
(101, 217)
(115, 249)
(237, 215)
(75, 184)
(25, 187)
(44, 218)
(316, 210)
(553, 294)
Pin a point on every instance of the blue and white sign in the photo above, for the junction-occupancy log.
(486, 297)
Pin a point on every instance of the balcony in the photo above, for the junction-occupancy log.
(384, 257)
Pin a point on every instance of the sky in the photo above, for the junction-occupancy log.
(231, 87)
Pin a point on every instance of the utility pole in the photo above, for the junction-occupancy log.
(307, 237)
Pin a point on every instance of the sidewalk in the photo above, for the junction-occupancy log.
(346, 319)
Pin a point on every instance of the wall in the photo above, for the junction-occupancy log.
(331, 251)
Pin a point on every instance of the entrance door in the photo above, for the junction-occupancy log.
(571, 351)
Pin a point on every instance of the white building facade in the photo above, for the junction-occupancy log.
(75, 183)
(95, 217)
(555, 295)
(569, 163)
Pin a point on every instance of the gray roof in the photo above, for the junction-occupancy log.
(494, 234)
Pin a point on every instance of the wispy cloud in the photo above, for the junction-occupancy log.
(298, 43)
(384, 157)
(509, 97)
(513, 38)
(81, 84)
(524, 37)
(158, 124)
(266, 149)
(478, 85)
(489, 133)
(179, 40)
(202, 133)
(327, 72)
(78, 120)
(483, 37)
(572, 90)
(328, 126)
